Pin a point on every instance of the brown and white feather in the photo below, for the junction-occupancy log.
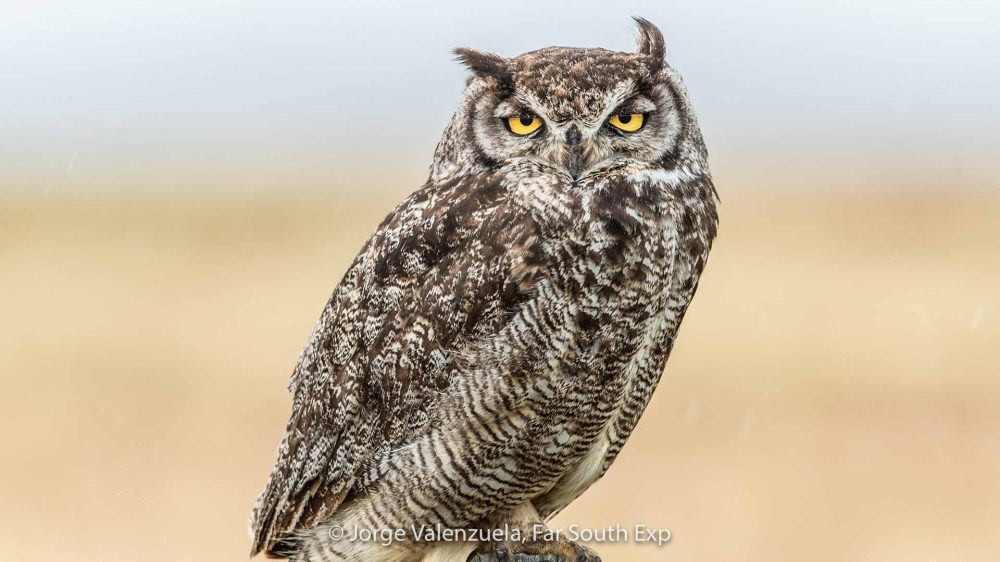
(498, 337)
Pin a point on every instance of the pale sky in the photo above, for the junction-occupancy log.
(225, 96)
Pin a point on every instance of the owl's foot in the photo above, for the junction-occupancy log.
(534, 543)
(554, 551)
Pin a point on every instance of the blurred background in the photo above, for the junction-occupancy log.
(182, 185)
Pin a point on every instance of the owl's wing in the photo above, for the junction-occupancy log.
(444, 269)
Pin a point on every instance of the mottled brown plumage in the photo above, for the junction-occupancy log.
(493, 345)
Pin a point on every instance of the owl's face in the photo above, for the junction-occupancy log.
(574, 112)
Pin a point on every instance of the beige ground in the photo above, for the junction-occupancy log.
(834, 394)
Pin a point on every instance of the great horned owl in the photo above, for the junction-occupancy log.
(493, 345)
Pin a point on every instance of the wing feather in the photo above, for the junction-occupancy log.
(446, 267)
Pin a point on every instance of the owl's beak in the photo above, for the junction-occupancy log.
(574, 152)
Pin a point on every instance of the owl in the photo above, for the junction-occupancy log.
(494, 343)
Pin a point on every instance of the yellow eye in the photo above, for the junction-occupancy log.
(628, 122)
(524, 124)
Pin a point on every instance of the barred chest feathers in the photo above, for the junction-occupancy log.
(638, 216)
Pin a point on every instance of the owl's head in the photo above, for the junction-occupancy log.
(572, 112)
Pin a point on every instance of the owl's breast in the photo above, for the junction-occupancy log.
(624, 272)
(638, 324)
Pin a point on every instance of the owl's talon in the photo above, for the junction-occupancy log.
(584, 554)
(494, 552)
(498, 552)
(501, 552)
(525, 557)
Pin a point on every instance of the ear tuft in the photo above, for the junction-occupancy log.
(485, 64)
(650, 42)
